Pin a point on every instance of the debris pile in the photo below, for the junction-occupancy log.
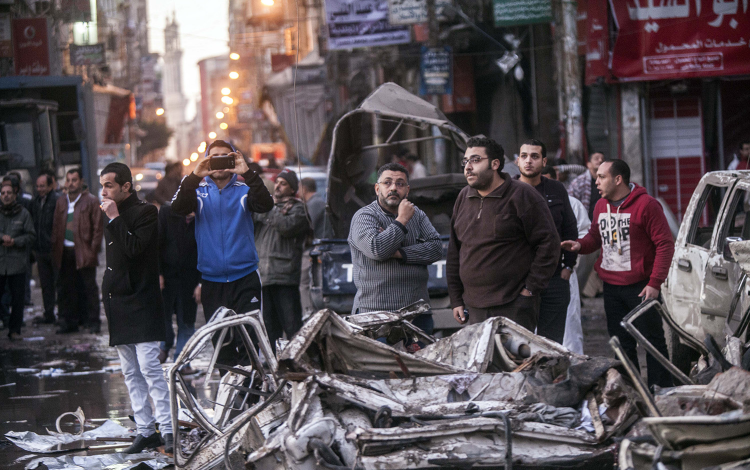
(345, 393)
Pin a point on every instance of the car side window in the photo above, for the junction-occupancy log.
(737, 224)
(706, 216)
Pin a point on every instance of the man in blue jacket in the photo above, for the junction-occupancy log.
(224, 231)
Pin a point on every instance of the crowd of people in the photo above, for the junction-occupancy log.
(519, 247)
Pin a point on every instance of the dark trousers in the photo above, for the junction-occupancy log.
(15, 284)
(47, 281)
(78, 293)
(523, 310)
(553, 309)
(242, 296)
(618, 302)
(179, 302)
(282, 311)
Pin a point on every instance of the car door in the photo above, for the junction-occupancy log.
(723, 275)
(698, 233)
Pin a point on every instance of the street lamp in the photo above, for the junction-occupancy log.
(202, 146)
(227, 100)
(223, 126)
(193, 157)
(234, 56)
(212, 135)
(234, 75)
(219, 115)
(159, 111)
(225, 91)
(268, 3)
(186, 162)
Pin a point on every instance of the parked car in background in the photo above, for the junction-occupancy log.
(318, 173)
(145, 180)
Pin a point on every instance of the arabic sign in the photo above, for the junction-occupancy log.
(31, 46)
(515, 12)
(680, 39)
(362, 23)
(87, 55)
(6, 38)
(436, 71)
(413, 11)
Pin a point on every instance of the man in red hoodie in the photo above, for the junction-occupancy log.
(637, 247)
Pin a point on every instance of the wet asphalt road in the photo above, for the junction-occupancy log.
(32, 400)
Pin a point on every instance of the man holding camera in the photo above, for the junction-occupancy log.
(224, 231)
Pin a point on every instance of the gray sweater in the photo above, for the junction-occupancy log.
(385, 283)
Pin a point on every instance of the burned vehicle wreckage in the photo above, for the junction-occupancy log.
(344, 393)
(492, 394)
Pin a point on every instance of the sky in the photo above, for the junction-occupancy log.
(203, 33)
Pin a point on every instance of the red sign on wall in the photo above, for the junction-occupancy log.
(31, 46)
(680, 39)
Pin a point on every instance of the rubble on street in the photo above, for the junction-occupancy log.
(492, 394)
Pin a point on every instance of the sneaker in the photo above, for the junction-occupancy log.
(43, 320)
(14, 336)
(142, 442)
(168, 444)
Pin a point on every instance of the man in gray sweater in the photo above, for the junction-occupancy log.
(392, 244)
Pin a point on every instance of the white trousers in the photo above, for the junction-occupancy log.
(144, 377)
(573, 339)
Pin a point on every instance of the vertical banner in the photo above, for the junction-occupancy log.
(436, 71)
(680, 39)
(597, 41)
(31, 46)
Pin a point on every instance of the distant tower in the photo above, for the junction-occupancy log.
(174, 100)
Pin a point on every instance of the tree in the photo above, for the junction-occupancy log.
(156, 138)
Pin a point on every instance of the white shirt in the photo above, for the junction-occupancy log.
(582, 217)
(71, 209)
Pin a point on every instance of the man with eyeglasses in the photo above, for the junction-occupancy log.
(503, 247)
(392, 243)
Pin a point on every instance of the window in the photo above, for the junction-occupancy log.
(737, 226)
(705, 216)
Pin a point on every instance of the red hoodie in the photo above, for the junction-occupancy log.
(638, 247)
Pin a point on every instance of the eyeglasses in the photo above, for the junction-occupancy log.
(399, 184)
(474, 160)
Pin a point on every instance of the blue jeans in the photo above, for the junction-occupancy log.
(179, 301)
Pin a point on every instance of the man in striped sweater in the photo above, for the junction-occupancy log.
(392, 243)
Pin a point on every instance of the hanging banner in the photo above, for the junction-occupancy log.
(680, 39)
(436, 71)
(597, 41)
(87, 55)
(31, 46)
(362, 23)
(413, 11)
(517, 12)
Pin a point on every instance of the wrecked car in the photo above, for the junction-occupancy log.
(706, 292)
(388, 119)
(345, 393)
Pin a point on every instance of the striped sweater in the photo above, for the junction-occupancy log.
(385, 283)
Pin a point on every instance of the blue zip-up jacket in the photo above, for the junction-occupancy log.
(224, 227)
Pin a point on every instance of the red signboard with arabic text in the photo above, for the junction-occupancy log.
(663, 40)
(31, 46)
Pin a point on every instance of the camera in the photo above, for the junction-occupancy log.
(221, 162)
